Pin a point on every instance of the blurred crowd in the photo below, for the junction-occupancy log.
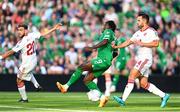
(82, 24)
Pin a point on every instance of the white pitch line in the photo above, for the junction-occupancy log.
(148, 97)
(44, 109)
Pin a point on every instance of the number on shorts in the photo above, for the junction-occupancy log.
(98, 61)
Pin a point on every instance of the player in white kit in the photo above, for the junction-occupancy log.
(146, 38)
(27, 46)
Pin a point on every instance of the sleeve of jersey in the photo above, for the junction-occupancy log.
(18, 46)
(123, 40)
(116, 42)
(154, 35)
(107, 34)
(36, 35)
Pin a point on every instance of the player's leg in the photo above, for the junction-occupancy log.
(88, 80)
(152, 88)
(114, 82)
(116, 74)
(137, 82)
(75, 76)
(120, 66)
(24, 74)
(139, 68)
(22, 90)
(35, 83)
(129, 87)
(99, 67)
(95, 64)
(108, 82)
(91, 93)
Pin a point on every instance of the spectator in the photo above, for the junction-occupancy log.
(82, 21)
(71, 58)
(42, 65)
(55, 69)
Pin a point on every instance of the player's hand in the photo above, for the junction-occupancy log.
(58, 26)
(113, 46)
(88, 48)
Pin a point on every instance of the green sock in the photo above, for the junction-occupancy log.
(115, 80)
(75, 76)
(93, 86)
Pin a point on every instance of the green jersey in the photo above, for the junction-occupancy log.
(120, 63)
(122, 51)
(105, 52)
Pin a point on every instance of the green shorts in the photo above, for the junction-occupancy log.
(120, 63)
(99, 66)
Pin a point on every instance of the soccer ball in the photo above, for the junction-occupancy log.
(93, 95)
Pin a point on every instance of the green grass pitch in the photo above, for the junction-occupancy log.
(78, 102)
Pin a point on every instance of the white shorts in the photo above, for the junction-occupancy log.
(25, 71)
(110, 70)
(143, 65)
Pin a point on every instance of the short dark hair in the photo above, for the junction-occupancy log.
(23, 25)
(144, 16)
(112, 25)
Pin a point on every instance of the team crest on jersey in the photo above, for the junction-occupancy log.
(107, 36)
(145, 34)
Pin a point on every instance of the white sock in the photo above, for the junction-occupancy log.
(102, 97)
(129, 87)
(34, 81)
(95, 81)
(137, 83)
(108, 84)
(152, 88)
(22, 92)
(66, 86)
(108, 87)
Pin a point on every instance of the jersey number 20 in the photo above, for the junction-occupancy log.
(30, 48)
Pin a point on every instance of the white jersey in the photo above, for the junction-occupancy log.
(149, 35)
(28, 51)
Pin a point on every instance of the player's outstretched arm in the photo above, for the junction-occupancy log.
(154, 43)
(100, 44)
(124, 44)
(56, 27)
(7, 54)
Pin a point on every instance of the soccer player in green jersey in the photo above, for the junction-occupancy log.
(120, 62)
(96, 66)
(118, 65)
